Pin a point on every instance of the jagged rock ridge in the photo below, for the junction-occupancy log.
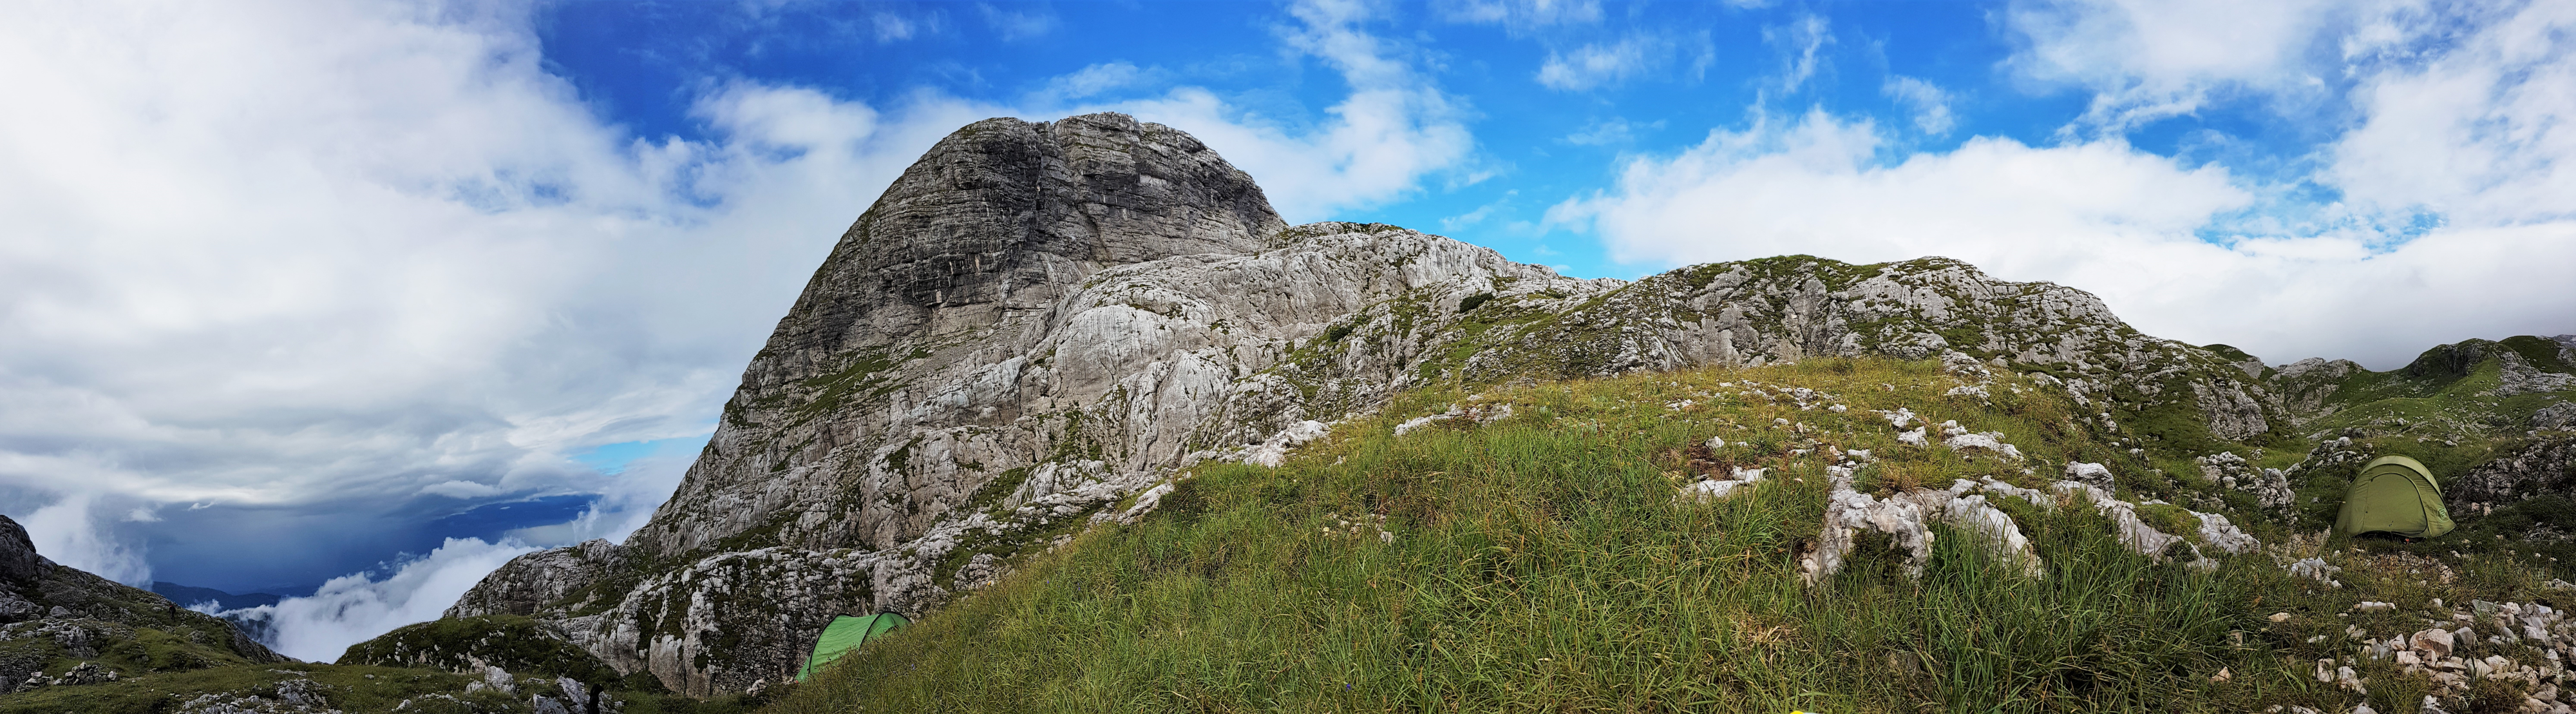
(1041, 320)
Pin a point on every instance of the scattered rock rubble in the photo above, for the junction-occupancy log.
(2518, 376)
(1959, 439)
(2556, 416)
(2089, 474)
(293, 696)
(2524, 643)
(1477, 413)
(2315, 568)
(1272, 451)
(2270, 487)
(1903, 516)
(561, 695)
(1366, 525)
(1712, 489)
(83, 673)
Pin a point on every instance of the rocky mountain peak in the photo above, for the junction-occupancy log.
(1000, 214)
(988, 228)
(1041, 324)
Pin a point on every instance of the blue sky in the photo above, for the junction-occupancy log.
(1658, 77)
(388, 292)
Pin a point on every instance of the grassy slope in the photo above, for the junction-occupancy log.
(358, 689)
(1542, 562)
(2451, 423)
(350, 688)
(162, 672)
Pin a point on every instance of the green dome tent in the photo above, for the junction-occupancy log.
(2394, 494)
(844, 636)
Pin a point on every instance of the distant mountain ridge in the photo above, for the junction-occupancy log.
(1040, 324)
(193, 596)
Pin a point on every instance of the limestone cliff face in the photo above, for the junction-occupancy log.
(1041, 322)
(958, 264)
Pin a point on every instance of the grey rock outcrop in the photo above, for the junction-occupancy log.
(2304, 387)
(2269, 487)
(2518, 376)
(542, 578)
(2555, 416)
(2542, 467)
(19, 562)
(1039, 321)
(1794, 307)
(926, 314)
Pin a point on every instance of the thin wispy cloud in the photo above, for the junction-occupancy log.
(2480, 133)
(1637, 55)
(1096, 80)
(1801, 44)
(1014, 24)
(891, 27)
(1610, 132)
(1521, 15)
(1929, 104)
(2435, 134)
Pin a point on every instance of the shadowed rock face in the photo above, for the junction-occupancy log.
(1040, 320)
(2541, 468)
(1000, 217)
(993, 224)
(19, 562)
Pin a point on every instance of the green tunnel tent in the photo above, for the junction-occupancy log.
(2394, 494)
(844, 636)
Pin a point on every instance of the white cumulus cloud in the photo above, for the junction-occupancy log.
(2146, 60)
(2101, 216)
(1394, 129)
(290, 254)
(297, 255)
(358, 607)
(66, 533)
(2480, 133)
